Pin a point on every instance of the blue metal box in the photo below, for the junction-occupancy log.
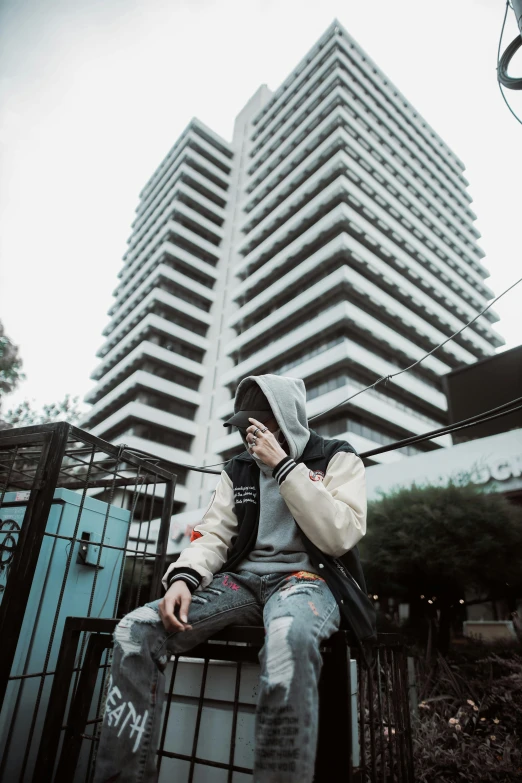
(84, 591)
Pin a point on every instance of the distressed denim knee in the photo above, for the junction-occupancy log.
(139, 633)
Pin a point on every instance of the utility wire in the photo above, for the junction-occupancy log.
(500, 65)
(386, 378)
(383, 379)
(502, 410)
(493, 413)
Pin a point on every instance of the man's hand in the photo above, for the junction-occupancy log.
(264, 444)
(175, 601)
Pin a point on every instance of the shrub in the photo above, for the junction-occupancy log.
(469, 726)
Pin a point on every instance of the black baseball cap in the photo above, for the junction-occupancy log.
(241, 418)
(252, 405)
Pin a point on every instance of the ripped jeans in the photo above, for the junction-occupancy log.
(298, 612)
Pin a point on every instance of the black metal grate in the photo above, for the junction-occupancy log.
(78, 534)
(381, 750)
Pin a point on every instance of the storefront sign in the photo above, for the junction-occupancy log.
(500, 469)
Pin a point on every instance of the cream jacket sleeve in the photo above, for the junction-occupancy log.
(212, 537)
(332, 512)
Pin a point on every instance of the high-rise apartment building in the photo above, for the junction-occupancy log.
(332, 240)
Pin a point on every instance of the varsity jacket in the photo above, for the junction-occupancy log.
(325, 492)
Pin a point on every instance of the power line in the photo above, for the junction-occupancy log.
(502, 410)
(493, 413)
(386, 378)
(502, 63)
(383, 379)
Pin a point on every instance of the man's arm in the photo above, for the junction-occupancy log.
(332, 512)
(210, 541)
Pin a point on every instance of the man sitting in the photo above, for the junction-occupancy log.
(276, 547)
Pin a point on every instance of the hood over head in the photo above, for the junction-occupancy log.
(287, 400)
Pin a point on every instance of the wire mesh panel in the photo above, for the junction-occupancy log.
(386, 753)
(76, 516)
(208, 721)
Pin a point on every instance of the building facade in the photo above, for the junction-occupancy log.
(331, 240)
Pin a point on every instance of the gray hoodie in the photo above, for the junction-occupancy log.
(278, 548)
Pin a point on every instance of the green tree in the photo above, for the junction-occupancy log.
(442, 543)
(23, 415)
(10, 364)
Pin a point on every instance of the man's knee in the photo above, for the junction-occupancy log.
(134, 632)
(289, 644)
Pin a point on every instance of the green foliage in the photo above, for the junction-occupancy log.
(442, 541)
(470, 718)
(10, 364)
(25, 415)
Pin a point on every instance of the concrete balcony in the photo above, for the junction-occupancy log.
(304, 108)
(125, 346)
(125, 289)
(345, 355)
(291, 205)
(183, 173)
(325, 322)
(338, 64)
(150, 201)
(348, 353)
(376, 407)
(365, 288)
(471, 282)
(361, 445)
(285, 100)
(351, 357)
(357, 171)
(148, 381)
(161, 452)
(171, 227)
(163, 210)
(157, 296)
(195, 131)
(286, 191)
(149, 415)
(181, 495)
(305, 214)
(162, 270)
(328, 116)
(344, 214)
(290, 90)
(345, 116)
(202, 222)
(398, 158)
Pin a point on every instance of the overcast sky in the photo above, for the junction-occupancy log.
(94, 93)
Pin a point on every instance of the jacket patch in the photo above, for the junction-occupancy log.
(195, 535)
(316, 475)
(245, 495)
(305, 575)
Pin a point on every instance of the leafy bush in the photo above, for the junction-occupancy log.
(469, 726)
(432, 546)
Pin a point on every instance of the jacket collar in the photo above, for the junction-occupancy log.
(313, 449)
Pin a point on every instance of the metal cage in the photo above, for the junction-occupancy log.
(75, 538)
(210, 696)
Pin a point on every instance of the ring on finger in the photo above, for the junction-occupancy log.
(255, 431)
